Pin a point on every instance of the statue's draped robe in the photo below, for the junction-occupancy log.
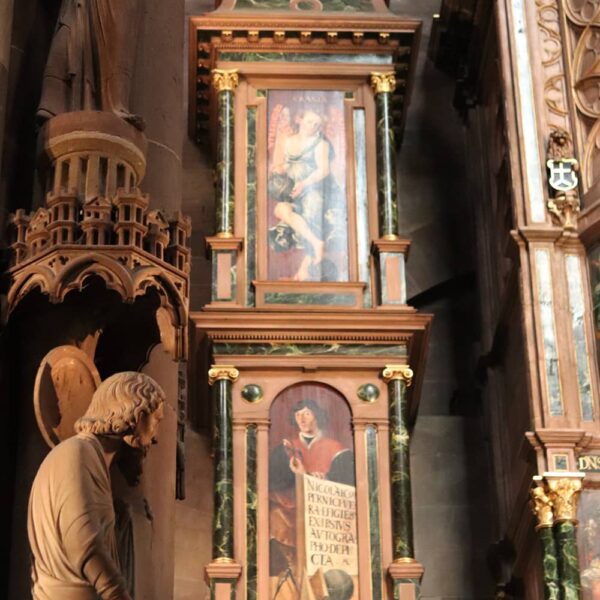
(91, 58)
(71, 525)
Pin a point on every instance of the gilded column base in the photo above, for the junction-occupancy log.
(406, 575)
(221, 576)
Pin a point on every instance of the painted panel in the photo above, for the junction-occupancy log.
(544, 281)
(588, 539)
(251, 204)
(362, 202)
(307, 207)
(577, 308)
(312, 496)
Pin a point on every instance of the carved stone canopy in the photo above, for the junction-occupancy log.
(96, 221)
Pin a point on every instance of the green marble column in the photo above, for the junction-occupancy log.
(383, 85)
(565, 534)
(563, 495)
(550, 563)
(225, 82)
(398, 378)
(541, 505)
(221, 378)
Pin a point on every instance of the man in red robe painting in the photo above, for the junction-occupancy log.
(311, 453)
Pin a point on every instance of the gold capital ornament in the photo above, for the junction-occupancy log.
(541, 507)
(219, 372)
(564, 493)
(383, 82)
(225, 80)
(402, 372)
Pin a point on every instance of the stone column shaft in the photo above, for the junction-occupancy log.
(221, 378)
(564, 494)
(542, 509)
(398, 379)
(383, 85)
(225, 82)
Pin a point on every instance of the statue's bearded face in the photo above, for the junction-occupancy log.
(144, 434)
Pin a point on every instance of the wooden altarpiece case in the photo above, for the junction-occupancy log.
(317, 360)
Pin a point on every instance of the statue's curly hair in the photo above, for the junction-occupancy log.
(119, 402)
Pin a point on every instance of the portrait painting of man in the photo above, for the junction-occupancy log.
(311, 449)
(307, 211)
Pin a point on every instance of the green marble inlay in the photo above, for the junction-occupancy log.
(374, 527)
(402, 533)
(362, 202)
(306, 6)
(251, 513)
(386, 166)
(297, 298)
(550, 564)
(282, 349)
(252, 392)
(568, 560)
(224, 167)
(261, 93)
(368, 392)
(251, 204)
(223, 460)
(366, 59)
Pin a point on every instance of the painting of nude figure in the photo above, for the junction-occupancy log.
(307, 208)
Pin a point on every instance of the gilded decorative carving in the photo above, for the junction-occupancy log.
(583, 54)
(563, 167)
(383, 82)
(219, 372)
(564, 494)
(225, 79)
(541, 507)
(402, 372)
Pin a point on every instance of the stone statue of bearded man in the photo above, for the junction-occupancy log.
(91, 59)
(71, 520)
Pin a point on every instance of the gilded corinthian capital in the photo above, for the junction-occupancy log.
(226, 372)
(402, 372)
(564, 494)
(383, 82)
(541, 507)
(225, 80)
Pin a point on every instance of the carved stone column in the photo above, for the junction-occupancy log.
(225, 81)
(405, 571)
(383, 86)
(223, 571)
(564, 494)
(542, 509)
